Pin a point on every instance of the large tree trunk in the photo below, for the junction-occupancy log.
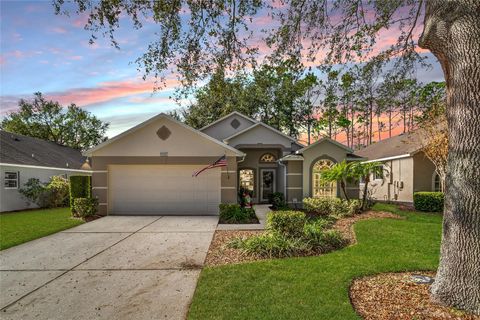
(452, 33)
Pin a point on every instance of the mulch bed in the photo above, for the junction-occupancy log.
(91, 218)
(219, 254)
(395, 296)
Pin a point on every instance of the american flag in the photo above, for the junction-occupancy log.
(221, 162)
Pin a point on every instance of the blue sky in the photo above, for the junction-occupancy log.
(41, 51)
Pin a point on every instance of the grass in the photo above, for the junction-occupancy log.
(317, 287)
(23, 226)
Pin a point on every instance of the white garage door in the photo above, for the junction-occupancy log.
(163, 190)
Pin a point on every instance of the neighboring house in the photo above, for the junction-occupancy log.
(22, 158)
(148, 168)
(406, 168)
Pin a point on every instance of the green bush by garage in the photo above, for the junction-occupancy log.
(428, 201)
(80, 187)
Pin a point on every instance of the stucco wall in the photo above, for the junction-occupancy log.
(11, 199)
(424, 171)
(224, 128)
(323, 150)
(398, 171)
(260, 135)
(180, 143)
(294, 182)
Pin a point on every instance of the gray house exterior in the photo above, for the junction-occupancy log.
(149, 168)
(22, 158)
(406, 168)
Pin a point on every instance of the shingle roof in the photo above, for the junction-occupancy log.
(407, 143)
(18, 149)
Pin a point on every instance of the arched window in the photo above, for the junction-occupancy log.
(268, 158)
(437, 185)
(321, 188)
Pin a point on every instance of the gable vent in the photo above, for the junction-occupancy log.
(163, 133)
(235, 123)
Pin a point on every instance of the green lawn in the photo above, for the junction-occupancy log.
(23, 226)
(317, 287)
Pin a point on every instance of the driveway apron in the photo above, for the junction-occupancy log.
(116, 267)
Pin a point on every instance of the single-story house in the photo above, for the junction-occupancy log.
(149, 168)
(406, 168)
(22, 158)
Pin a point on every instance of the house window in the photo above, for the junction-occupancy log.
(322, 188)
(247, 179)
(268, 158)
(437, 185)
(379, 175)
(11, 180)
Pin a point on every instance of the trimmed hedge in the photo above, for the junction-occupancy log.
(286, 223)
(80, 187)
(85, 207)
(428, 201)
(332, 207)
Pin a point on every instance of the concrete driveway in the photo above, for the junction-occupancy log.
(117, 267)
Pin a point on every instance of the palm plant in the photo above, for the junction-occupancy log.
(364, 170)
(340, 172)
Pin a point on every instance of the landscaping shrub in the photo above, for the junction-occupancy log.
(428, 201)
(286, 223)
(334, 207)
(320, 206)
(271, 245)
(234, 213)
(53, 194)
(277, 200)
(326, 240)
(85, 207)
(58, 192)
(311, 238)
(290, 233)
(80, 187)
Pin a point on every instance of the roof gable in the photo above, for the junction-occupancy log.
(228, 125)
(328, 140)
(260, 133)
(162, 134)
(24, 150)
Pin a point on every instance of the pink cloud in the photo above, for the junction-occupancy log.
(59, 30)
(80, 21)
(75, 57)
(106, 91)
(103, 92)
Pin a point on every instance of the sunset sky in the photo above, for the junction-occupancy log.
(41, 51)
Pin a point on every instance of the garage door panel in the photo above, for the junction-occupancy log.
(163, 190)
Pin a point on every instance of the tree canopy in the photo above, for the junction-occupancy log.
(48, 120)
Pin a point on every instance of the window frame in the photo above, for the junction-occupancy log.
(382, 174)
(254, 180)
(315, 177)
(16, 179)
(267, 153)
(434, 183)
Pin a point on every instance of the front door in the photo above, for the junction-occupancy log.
(267, 184)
